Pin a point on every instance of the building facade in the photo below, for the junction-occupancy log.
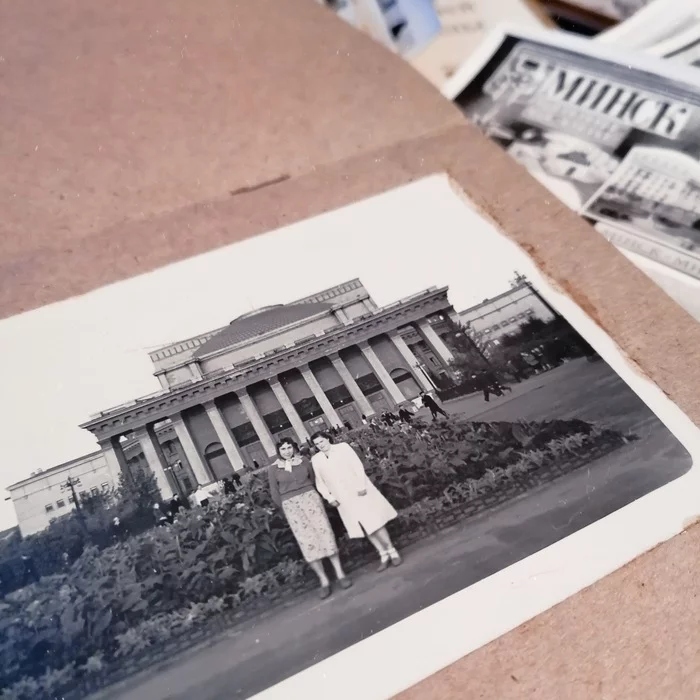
(43, 497)
(504, 314)
(229, 395)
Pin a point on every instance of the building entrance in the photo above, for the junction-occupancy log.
(315, 424)
(254, 453)
(350, 414)
(379, 403)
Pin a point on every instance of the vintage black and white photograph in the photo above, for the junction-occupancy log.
(234, 469)
(614, 140)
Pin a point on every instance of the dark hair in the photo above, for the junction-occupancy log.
(323, 434)
(287, 441)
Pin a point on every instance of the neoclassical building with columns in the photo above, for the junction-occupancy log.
(229, 395)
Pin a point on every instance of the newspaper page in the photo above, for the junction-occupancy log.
(615, 9)
(464, 24)
(684, 47)
(614, 136)
(656, 23)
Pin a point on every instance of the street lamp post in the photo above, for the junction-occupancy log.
(171, 468)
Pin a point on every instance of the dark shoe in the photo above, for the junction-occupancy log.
(344, 583)
(324, 592)
(396, 560)
(383, 566)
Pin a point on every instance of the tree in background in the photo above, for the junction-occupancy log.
(137, 491)
(92, 523)
(468, 348)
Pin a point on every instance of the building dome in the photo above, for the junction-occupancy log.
(260, 322)
(255, 312)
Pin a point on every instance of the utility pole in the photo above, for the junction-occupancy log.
(69, 485)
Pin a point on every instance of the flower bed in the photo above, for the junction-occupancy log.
(130, 605)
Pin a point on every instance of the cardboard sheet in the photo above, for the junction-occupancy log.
(137, 134)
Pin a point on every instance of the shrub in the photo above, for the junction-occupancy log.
(422, 463)
(120, 600)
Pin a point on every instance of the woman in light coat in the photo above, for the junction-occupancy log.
(341, 479)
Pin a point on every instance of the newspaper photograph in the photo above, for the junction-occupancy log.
(615, 140)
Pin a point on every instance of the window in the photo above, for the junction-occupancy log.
(434, 361)
(94, 491)
(49, 507)
(187, 483)
(105, 485)
(511, 319)
(52, 520)
(488, 330)
(83, 494)
(71, 499)
(60, 503)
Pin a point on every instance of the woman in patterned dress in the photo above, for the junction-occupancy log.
(293, 489)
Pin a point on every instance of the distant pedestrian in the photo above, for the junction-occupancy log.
(430, 403)
(176, 505)
(158, 515)
(364, 419)
(255, 464)
(405, 415)
(489, 385)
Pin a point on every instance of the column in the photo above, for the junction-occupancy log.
(288, 408)
(225, 436)
(116, 461)
(412, 361)
(380, 370)
(256, 420)
(155, 458)
(358, 397)
(320, 396)
(199, 468)
(342, 316)
(195, 370)
(435, 342)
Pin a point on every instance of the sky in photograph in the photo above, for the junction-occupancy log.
(69, 360)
